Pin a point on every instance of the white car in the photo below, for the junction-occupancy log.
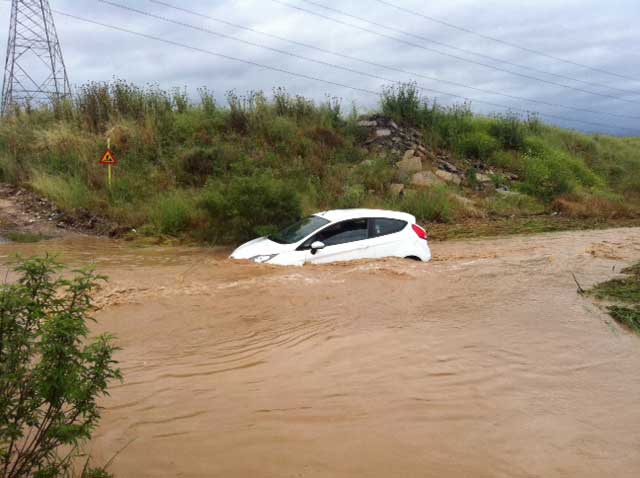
(341, 235)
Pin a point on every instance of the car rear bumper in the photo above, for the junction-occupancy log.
(424, 252)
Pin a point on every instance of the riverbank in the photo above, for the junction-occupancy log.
(27, 217)
(206, 173)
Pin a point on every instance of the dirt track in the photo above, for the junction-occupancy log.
(484, 363)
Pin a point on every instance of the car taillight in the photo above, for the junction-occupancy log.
(422, 234)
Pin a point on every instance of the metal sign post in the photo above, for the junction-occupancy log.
(109, 160)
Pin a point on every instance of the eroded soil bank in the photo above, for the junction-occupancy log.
(484, 363)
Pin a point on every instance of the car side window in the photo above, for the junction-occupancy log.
(341, 233)
(384, 227)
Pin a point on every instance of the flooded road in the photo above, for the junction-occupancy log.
(484, 363)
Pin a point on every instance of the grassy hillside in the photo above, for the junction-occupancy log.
(223, 173)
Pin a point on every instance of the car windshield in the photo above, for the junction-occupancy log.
(298, 231)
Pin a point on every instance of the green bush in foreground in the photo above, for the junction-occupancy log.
(51, 374)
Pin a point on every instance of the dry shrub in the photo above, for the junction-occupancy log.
(121, 136)
(591, 206)
(466, 208)
(326, 137)
(316, 165)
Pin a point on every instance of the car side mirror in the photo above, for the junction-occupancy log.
(317, 246)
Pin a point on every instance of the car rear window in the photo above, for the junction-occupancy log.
(384, 227)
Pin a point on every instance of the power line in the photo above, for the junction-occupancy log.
(313, 78)
(216, 54)
(323, 50)
(416, 45)
(504, 42)
(469, 52)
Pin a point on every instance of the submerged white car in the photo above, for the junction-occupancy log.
(341, 235)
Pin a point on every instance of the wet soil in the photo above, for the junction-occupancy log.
(23, 212)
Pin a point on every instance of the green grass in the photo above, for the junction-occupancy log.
(629, 317)
(514, 204)
(184, 165)
(626, 289)
(433, 205)
(625, 293)
(23, 237)
(172, 214)
(68, 192)
(505, 226)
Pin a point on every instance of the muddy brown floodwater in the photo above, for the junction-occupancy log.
(484, 363)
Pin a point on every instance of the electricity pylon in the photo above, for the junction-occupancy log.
(34, 73)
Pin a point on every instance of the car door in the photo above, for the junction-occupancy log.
(344, 241)
(384, 237)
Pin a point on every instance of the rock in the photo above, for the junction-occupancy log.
(449, 177)
(367, 124)
(469, 206)
(410, 153)
(448, 166)
(410, 165)
(464, 201)
(424, 179)
(383, 132)
(393, 124)
(396, 189)
(483, 178)
(505, 191)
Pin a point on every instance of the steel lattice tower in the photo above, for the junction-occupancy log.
(34, 73)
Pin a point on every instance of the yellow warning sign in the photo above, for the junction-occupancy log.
(109, 158)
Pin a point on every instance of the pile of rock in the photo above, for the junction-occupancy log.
(419, 165)
(386, 135)
(421, 171)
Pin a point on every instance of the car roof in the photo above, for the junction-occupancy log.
(346, 214)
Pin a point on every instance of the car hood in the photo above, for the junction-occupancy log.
(262, 246)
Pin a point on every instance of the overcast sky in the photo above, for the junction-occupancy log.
(603, 35)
